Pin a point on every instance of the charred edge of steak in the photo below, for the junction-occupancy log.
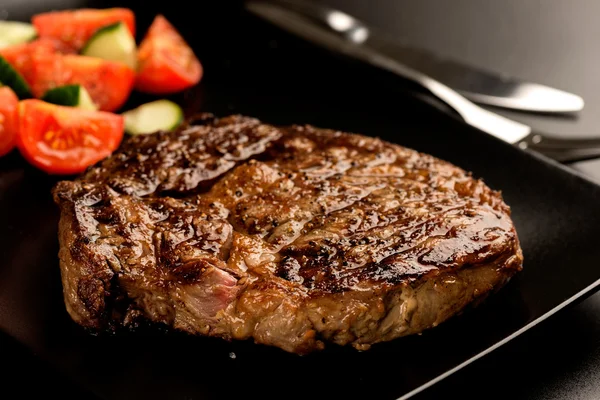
(291, 236)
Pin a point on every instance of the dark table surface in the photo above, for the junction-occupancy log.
(548, 41)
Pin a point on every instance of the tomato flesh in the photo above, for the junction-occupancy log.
(166, 63)
(21, 56)
(66, 140)
(8, 119)
(75, 27)
(109, 83)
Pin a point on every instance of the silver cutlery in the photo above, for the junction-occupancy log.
(473, 83)
(343, 33)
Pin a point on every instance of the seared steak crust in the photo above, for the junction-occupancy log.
(293, 236)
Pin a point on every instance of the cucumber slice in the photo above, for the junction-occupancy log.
(14, 32)
(159, 115)
(70, 95)
(14, 80)
(113, 42)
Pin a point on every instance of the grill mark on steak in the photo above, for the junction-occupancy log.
(156, 165)
(290, 235)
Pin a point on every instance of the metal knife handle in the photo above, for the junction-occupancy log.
(562, 149)
(539, 141)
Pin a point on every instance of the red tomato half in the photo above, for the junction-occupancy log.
(8, 119)
(20, 56)
(109, 83)
(75, 27)
(166, 64)
(66, 140)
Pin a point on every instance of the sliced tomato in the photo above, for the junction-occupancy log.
(66, 140)
(166, 64)
(8, 119)
(75, 27)
(109, 83)
(20, 56)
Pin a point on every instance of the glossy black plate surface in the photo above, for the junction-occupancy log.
(255, 69)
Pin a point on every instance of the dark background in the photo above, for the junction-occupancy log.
(552, 42)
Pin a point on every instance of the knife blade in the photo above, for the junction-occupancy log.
(510, 131)
(476, 84)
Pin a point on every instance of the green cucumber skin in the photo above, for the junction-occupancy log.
(100, 31)
(134, 126)
(11, 78)
(179, 121)
(64, 95)
(70, 95)
(129, 57)
(176, 124)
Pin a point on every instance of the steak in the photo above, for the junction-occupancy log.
(292, 236)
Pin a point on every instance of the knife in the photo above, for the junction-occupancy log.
(342, 35)
(475, 84)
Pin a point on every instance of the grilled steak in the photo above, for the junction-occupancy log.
(293, 236)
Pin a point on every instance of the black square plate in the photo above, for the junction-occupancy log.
(252, 68)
